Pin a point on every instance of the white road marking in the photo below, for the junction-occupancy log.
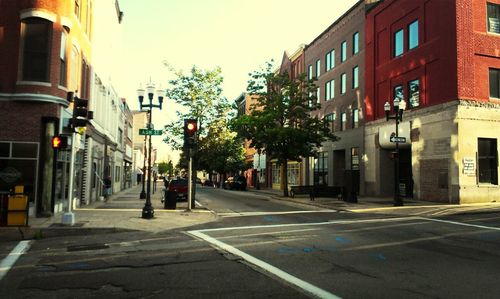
(461, 223)
(11, 259)
(245, 214)
(304, 285)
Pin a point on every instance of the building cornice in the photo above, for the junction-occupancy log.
(33, 97)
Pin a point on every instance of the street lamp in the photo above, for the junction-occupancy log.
(143, 192)
(399, 107)
(148, 211)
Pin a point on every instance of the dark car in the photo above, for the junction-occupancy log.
(180, 186)
(236, 183)
(208, 183)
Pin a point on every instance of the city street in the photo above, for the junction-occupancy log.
(261, 247)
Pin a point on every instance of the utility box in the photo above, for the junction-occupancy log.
(17, 208)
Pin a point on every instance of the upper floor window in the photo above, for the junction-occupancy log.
(355, 78)
(398, 43)
(343, 123)
(414, 93)
(36, 34)
(329, 90)
(398, 93)
(330, 60)
(63, 60)
(413, 35)
(330, 121)
(495, 83)
(310, 72)
(318, 94)
(493, 18)
(355, 118)
(343, 83)
(343, 51)
(85, 79)
(318, 68)
(78, 9)
(75, 67)
(355, 43)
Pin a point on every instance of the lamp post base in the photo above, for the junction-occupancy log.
(148, 212)
(143, 195)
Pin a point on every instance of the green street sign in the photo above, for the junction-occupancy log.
(150, 132)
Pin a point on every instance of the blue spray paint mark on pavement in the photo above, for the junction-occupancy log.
(286, 250)
(269, 218)
(342, 240)
(380, 256)
(308, 249)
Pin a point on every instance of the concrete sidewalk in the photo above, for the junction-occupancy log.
(380, 205)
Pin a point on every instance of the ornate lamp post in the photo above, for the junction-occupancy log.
(399, 107)
(148, 211)
(143, 192)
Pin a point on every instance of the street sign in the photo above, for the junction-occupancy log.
(150, 132)
(395, 139)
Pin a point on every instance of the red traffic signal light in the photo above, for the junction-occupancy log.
(190, 129)
(59, 142)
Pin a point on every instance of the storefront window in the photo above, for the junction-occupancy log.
(321, 169)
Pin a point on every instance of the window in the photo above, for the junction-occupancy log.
(343, 51)
(318, 94)
(75, 63)
(355, 118)
(413, 93)
(310, 72)
(355, 78)
(329, 90)
(355, 158)
(85, 79)
(494, 83)
(275, 173)
(487, 161)
(413, 35)
(36, 54)
(398, 43)
(330, 121)
(77, 9)
(62, 58)
(318, 66)
(293, 174)
(117, 174)
(343, 122)
(398, 92)
(321, 169)
(343, 82)
(493, 18)
(330, 60)
(355, 43)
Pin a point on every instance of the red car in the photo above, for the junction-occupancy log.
(180, 186)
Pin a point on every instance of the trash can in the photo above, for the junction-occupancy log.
(170, 200)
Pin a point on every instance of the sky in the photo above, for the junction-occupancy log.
(239, 36)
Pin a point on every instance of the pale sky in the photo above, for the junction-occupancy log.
(240, 36)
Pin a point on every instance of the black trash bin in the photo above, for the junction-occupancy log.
(170, 200)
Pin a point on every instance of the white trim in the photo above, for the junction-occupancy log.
(33, 97)
(66, 22)
(37, 83)
(7, 263)
(37, 13)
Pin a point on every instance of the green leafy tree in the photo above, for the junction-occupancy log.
(280, 124)
(166, 168)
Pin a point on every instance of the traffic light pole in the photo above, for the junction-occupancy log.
(69, 216)
(190, 181)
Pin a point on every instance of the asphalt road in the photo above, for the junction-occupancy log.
(263, 248)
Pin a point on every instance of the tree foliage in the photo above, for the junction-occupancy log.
(280, 125)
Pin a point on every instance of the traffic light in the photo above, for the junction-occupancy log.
(80, 112)
(190, 129)
(59, 142)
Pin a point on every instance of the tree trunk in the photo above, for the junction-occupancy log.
(285, 178)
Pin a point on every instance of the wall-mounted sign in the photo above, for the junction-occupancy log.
(469, 166)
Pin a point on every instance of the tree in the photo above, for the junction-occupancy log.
(166, 168)
(282, 126)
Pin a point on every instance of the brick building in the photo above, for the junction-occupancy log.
(45, 51)
(335, 59)
(443, 58)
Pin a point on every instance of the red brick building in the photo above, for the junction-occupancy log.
(44, 53)
(442, 57)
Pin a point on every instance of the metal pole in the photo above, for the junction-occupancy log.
(190, 181)
(397, 198)
(69, 216)
(143, 192)
(148, 211)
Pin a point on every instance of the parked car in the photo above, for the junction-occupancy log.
(208, 183)
(180, 186)
(236, 183)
